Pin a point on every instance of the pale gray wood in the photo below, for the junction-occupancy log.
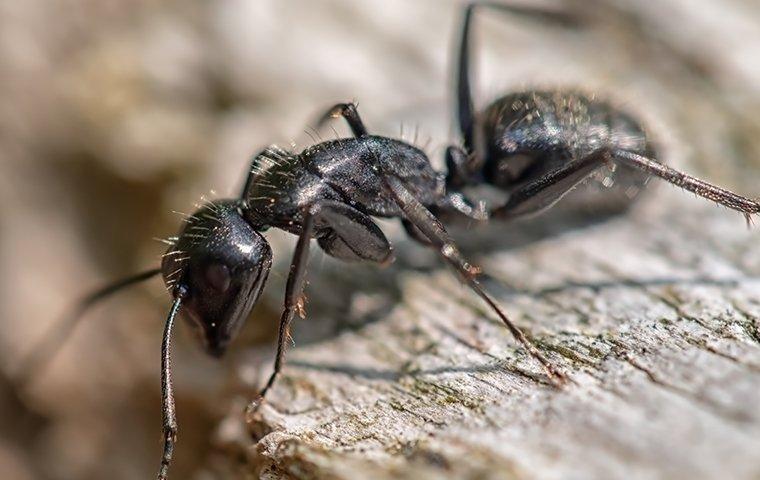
(654, 317)
(111, 120)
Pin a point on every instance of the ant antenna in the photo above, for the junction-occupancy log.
(168, 409)
(46, 348)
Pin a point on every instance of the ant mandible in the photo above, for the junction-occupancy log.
(537, 146)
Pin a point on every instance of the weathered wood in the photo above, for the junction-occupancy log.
(654, 316)
(114, 119)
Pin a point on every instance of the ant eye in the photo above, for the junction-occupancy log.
(218, 277)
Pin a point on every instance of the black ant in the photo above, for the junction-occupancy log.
(537, 146)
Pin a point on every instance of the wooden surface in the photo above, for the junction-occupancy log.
(116, 114)
(654, 316)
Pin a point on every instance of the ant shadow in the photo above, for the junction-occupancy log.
(384, 284)
(394, 375)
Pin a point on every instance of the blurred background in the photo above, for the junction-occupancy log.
(114, 114)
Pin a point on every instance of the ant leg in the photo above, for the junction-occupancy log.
(352, 236)
(456, 206)
(168, 410)
(46, 349)
(551, 12)
(352, 230)
(293, 291)
(539, 194)
(465, 104)
(415, 233)
(706, 190)
(426, 222)
(460, 167)
(349, 113)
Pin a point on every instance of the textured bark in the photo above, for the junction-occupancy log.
(654, 316)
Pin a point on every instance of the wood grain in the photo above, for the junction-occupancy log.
(654, 317)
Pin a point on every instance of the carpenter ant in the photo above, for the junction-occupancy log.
(537, 146)
(217, 266)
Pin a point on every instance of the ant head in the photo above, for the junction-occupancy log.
(218, 264)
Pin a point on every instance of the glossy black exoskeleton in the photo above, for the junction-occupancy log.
(216, 267)
(220, 263)
(535, 146)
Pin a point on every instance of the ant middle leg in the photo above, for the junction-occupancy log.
(352, 236)
(428, 224)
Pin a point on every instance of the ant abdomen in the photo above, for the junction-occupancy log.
(524, 136)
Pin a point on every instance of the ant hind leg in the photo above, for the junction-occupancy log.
(711, 192)
(540, 193)
(555, 13)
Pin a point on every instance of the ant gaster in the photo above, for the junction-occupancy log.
(536, 146)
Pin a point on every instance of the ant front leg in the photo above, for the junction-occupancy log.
(293, 293)
(429, 225)
(344, 233)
